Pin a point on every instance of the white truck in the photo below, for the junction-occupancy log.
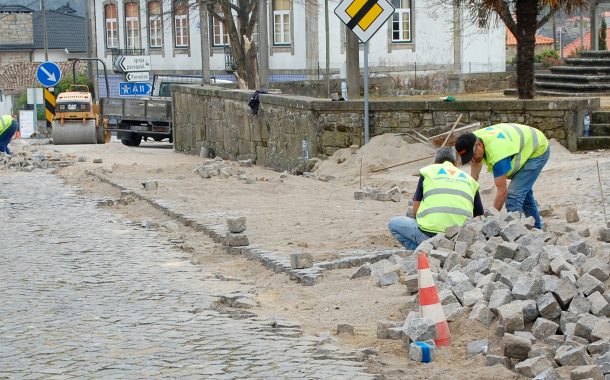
(137, 119)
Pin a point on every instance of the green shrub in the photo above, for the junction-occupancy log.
(546, 55)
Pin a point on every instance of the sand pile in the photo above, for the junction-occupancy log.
(381, 151)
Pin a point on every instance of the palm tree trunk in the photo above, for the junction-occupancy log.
(526, 12)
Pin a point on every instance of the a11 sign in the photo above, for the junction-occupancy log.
(133, 89)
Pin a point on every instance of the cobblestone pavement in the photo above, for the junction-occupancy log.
(84, 295)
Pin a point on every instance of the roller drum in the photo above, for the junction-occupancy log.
(74, 132)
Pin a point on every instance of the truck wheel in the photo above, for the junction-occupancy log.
(135, 139)
(132, 139)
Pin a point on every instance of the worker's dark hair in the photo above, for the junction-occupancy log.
(444, 154)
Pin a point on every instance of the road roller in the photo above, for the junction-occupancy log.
(77, 119)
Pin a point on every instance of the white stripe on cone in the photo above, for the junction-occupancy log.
(425, 279)
(434, 312)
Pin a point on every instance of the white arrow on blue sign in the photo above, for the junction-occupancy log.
(133, 88)
(48, 74)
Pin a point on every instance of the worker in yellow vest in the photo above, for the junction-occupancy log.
(510, 151)
(445, 196)
(8, 127)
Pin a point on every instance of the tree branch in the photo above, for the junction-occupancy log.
(546, 18)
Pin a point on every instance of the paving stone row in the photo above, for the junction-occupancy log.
(87, 295)
(271, 260)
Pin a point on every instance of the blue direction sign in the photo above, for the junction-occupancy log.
(133, 88)
(48, 74)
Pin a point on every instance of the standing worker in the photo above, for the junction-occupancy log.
(445, 197)
(8, 127)
(510, 151)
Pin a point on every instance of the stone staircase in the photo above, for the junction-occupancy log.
(587, 75)
(599, 132)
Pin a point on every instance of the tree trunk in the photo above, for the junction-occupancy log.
(526, 12)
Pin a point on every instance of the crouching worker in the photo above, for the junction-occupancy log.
(8, 127)
(445, 196)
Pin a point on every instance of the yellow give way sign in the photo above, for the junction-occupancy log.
(364, 17)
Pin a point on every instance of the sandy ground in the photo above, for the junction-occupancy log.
(304, 214)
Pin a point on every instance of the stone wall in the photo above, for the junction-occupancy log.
(16, 28)
(221, 121)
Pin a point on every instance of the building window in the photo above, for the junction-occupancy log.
(132, 25)
(155, 24)
(281, 22)
(181, 23)
(112, 26)
(221, 38)
(401, 21)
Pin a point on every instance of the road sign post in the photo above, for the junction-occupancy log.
(364, 18)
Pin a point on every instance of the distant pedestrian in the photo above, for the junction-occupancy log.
(510, 151)
(8, 127)
(445, 197)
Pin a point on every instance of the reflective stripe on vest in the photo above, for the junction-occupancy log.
(445, 210)
(448, 197)
(450, 192)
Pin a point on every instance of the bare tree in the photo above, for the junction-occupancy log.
(523, 18)
(239, 19)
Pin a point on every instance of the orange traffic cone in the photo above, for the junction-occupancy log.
(429, 303)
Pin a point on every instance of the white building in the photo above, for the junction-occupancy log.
(421, 35)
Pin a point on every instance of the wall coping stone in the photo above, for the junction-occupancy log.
(305, 102)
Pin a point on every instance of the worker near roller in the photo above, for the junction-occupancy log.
(8, 127)
(510, 151)
(445, 197)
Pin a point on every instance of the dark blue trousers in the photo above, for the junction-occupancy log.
(6, 137)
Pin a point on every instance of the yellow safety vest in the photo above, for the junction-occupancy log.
(5, 123)
(448, 197)
(517, 140)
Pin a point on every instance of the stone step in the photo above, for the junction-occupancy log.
(592, 143)
(573, 78)
(583, 70)
(576, 87)
(588, 61)
(541, 92)
(599, 129)
(594, 54)
(600, 117)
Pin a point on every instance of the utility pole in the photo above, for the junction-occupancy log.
(44, 27)
(88, 38)
(326, 24)
(204, 30)
(263, 45)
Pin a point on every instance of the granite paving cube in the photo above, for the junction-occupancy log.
(421, 352)
(564, 292)
(579, 305)
(383, 328)
(513, 231)
(601, 331)
(572, 214)
(237, 240)
(589, 284)
(527, 287)
(500, 297)
(533, 366)
(491, 360)
(530, 310)
(543, 328)
(596, 268)
(511, 317)
(506, 250)
(548, 374)
(603, 362)
(548, 306)
(599, 305)
(236, 225)
(516, 347)
(572, 356)
(587, 372)
(300, 260)
(420, 329)
(482, 313)
(585, 326)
